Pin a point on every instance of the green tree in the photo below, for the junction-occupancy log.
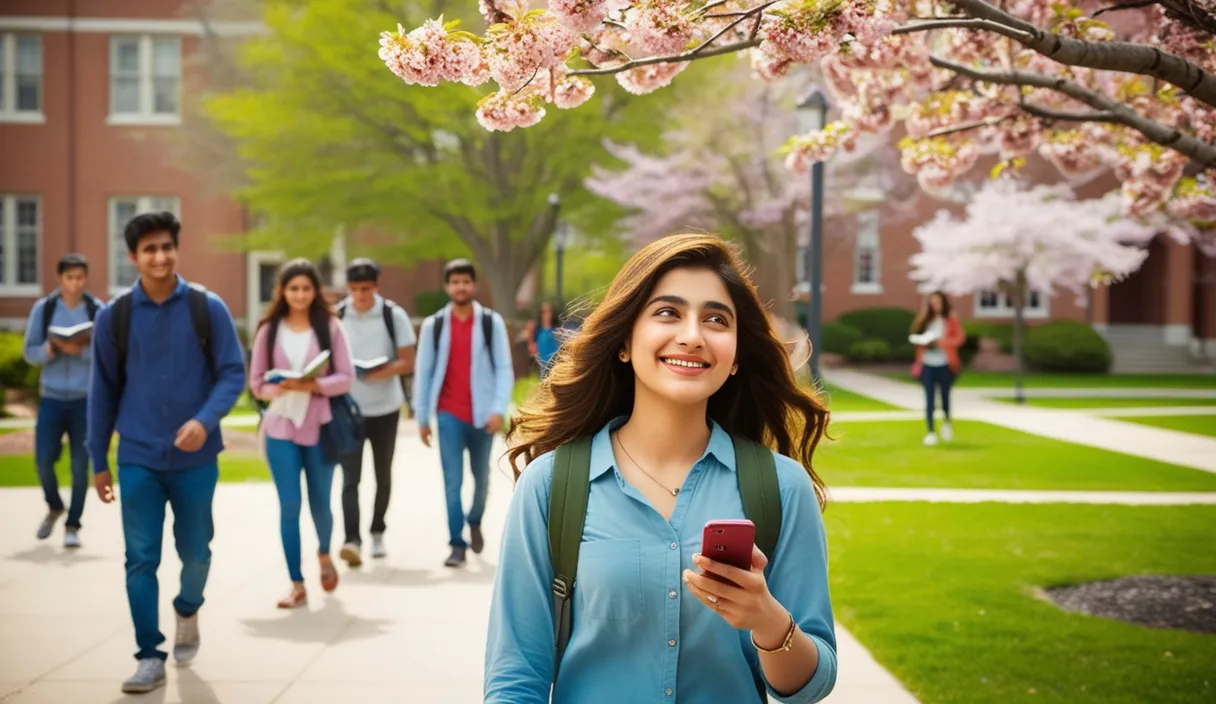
(329, 139)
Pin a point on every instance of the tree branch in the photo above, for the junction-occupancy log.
(690, 55)
(968, 126)
(755, 10)
(1046, 114)
(965, 23)
(1125, 6)
(1120, 113)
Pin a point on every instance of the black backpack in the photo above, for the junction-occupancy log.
(487, 331)
(200, 317)
(48, 309)
(757, 476)
(389, 323)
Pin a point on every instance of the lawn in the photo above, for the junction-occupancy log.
(1080, 381)
(984, 456)
(18, 470)
(1118, 402)
(1200, 425)
(944, 596)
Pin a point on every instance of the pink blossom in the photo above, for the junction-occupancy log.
(579, 15)
(428, 55)
(1075, 153)
(651, 77)
(658, 28)
(1142, 196)
(819, 146)
(520, 49)
(503, 112)
(1194, 199)
(767, 68)
(937, 162)
(572, 91)
(1019, 136)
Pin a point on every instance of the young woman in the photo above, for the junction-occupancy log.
(287, 339)
(937, 361)
(679, 357)
(545, 337)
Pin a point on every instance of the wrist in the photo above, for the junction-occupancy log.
(771, 633)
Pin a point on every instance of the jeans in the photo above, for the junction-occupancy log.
(143, 493)
(54, 419)
(381, 432)
(940, 377)
(454, 437)
(287, 459)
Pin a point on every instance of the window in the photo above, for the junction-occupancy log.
(122, 209)
(145, 79)
(993, 304)
(20, 232)
(20, 78)
(867, 255)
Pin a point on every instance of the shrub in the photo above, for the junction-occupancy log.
(1066, 346)
(869, 350)
(838, 337)
(892, 325)
(15, 372)
(428, 302)
(903, 352)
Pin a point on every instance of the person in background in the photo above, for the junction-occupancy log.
(297, 328)
(937, 361)
(164, 390)
(464, 380)
(545, 336)
(377, 328)
(63, 390)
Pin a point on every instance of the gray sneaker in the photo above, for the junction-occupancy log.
(185, 646)
(48, 524)
(149, 675)
(71, 539)
(378, 550)
(456, 559)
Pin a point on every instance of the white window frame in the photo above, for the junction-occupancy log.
(868, 240)
(8, 238)
(253, 265)
(145, 115)
(116, 243)
(8, 101)
(1004, 307)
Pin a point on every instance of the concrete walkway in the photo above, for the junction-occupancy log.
(1077, 426)
(400, 629)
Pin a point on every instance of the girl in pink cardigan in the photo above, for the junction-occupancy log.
(286, 340)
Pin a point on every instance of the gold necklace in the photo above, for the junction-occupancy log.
(674, 492)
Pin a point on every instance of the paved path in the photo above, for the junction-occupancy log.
(1081, 427)
(400, 629)
(1082, 392)
(852, 494)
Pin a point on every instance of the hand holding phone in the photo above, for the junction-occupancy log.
(729, 542)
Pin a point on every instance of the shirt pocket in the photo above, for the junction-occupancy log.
(609, 582)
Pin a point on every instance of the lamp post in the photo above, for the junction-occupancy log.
(812, 116)
(559, 240)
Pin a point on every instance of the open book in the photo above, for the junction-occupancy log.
(923, 338)
(310, 371)
(80, 332)
(363, 367)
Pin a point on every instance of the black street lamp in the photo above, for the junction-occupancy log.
(559, 239)
(812, 116)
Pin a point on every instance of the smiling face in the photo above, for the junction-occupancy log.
(683, 344)
(299, 293)
(155, 257)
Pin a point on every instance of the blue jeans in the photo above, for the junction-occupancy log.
(455, 436)
(55, 418)
(143, 493)
(287, 460)
(940, 378)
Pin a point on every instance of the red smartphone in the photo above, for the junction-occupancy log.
(729, 542)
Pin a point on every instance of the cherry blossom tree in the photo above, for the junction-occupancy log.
(1014, 240)
(1129, 88)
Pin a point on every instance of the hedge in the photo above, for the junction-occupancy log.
(869, 350)
(891, 325)
(15, 372)
(1066, 346)
(838, 337)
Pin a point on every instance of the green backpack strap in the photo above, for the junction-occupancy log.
(567, 509)
(757, 470)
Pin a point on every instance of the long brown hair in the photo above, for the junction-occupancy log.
(320, 312)
(925, 316)
(588, 385)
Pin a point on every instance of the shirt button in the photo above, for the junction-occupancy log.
(674, 546)
(673, 593)
(672, 643)
(669, 691)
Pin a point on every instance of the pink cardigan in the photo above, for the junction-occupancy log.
(335, 384)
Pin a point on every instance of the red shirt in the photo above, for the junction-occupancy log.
(456, 396)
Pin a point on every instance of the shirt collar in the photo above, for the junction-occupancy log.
(377, 305)
(138, 295)
(602, 458)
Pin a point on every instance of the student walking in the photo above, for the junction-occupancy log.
(57, 338)
(167, 367)
(676, 405)
(464, 380)
(380, 331)
(545, 337)
(938, 334)
(297, 329)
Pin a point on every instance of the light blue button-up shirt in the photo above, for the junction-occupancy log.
(639, 635)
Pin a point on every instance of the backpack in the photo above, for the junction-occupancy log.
(391, 324)
(48, 309)
(200, 317)
(757, 474)
(487, 331)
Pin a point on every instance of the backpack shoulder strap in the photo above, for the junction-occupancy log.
(48, 312)
(487, 332)
(439, 319)
(92, 305)
(567, 511)
(200, 318)
(388, 310)
(324, 338)
(340, 309)
(120, 330)
(757, 470)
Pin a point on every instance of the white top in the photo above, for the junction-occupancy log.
(935, 356)
(293, 405)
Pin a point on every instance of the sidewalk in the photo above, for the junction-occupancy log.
(400, 629)
(1077, 426)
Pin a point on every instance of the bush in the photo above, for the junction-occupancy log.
(903, 352)
(15, 372)
(870, 350)
(892, 325)
(428, 302)
(838, 337)
(1066, 346)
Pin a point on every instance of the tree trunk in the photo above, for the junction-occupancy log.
(1019, 323)
(504, 284)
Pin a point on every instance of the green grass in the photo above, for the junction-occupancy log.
(1199, 425)
(1119, 402)
(18, 470)
(1081, 381)
(985, 456)
(944, 597)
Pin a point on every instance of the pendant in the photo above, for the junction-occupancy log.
(675, 492)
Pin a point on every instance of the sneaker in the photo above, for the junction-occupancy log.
(71, 539)
(350, 553)
(456, 559)
(947, 432)
(477, 541)
(930, 440)
(149, 674)
(378, 550)
(185, 646)
(48, 524)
